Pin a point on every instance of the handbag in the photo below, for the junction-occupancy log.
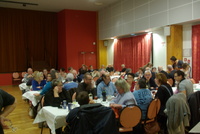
(152, 127)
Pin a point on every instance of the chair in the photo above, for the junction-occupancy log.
(23, 73)
(129, 118)
(71, 92)
(16, 78)
(152, 111)
(41, 104)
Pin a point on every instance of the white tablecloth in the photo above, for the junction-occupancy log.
(195, 129)
(30, 95)
(54, 117)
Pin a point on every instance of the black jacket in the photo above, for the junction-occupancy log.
(94, 119)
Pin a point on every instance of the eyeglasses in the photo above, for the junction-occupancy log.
(14, 129)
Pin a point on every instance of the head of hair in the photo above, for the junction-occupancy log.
(142, 83)
(173, 58)
(131, 74)
(86, 75)
(55, 83)
(180, 73)
(82, 98)
(121, 83)
(62, 69)
(162, 79)
(184, 65)
(37, 75)
(70, 77)
(147, 71)
(53, 74)
(128, 70)
(70, 68)
(169, 67)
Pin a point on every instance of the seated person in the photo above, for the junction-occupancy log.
(124, 96)
(184, 85)
(150, 83)
(38, 82)
(51, 76)
(70, 84)
(106, 85)
(91, 118)
(87, 85)
(56, 95)
(143, 96)
(164, 92)
(130, 81)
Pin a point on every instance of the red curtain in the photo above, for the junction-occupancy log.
(195, 52)
(134, 52)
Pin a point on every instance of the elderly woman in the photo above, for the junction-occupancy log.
(56, 96)
(143, 96)
(163, 93)
(124, 96)
(38, 81)
(70, 84)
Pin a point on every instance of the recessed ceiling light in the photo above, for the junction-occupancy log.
(98, 3)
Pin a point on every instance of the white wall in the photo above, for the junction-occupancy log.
(159, 48)
(187, 45)
(131, 16)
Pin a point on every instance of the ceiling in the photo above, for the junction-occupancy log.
(58, 5)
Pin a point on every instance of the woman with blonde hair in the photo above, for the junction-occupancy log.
(124, 96)
(38, 81)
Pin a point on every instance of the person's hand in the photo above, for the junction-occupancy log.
(118, 106)
(36, 94)
(55, 89)
(29, 76)
(2, 122)
(91, 102)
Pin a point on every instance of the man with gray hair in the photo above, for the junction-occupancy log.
(150, 83)
(70, 84)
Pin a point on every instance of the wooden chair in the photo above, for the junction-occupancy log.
(16, 78)
(129, 118)
(152, 111)
(23, 73)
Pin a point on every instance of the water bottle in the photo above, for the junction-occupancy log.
(104, 95)
(64, 104)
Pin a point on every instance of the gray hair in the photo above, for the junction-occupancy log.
(123, 85)
(70, 77)
(147, 71)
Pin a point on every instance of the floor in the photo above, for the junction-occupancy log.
(19, 116)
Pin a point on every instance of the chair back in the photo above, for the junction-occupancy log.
(23, 73)
(15, 75)
(71, 91)
(153, 109)
(130, 116)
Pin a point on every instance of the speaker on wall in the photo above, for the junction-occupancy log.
(105, 43)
